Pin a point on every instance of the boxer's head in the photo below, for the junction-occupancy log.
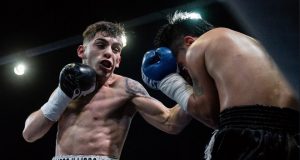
(107, 29)
(180, 25)
(182, 29)
(102, 46)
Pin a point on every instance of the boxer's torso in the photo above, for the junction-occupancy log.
(97, 124)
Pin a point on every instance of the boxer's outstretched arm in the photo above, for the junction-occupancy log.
(171, 120)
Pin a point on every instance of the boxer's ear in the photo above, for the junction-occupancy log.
(188, 40)
(80, 51)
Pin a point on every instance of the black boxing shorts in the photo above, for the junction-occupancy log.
(256, 132)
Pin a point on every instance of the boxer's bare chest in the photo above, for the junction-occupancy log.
(107, 99)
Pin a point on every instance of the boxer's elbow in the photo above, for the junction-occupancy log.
(176, 128)
(36, 126)
(173, 129)
(207, 119)
(169, 127)
(28, 136)
(204, 110)
(176, 122)
(31, 134)
(211, 123)
(28, 133)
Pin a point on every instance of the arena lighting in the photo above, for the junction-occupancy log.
(142, 20)
(124, 40)
(20, 69)
(183, 16)
(194, 15)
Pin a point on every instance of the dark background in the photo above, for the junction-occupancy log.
(45, 34)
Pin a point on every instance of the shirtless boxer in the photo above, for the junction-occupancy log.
(93, 106)
(227, 81)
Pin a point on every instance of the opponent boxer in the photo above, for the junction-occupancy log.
(235, 88)
(94, 106)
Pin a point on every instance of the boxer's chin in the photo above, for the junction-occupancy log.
(102, 73)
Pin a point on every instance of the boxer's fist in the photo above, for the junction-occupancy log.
(156, 65)
(77, 79)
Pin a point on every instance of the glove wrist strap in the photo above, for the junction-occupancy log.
(176, 88)
(56, 105)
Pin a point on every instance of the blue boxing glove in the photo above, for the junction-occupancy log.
(156, 65)
(159, 72)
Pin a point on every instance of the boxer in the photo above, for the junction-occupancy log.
(94, 107)
(236, 88)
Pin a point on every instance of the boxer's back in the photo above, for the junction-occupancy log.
(244, 74)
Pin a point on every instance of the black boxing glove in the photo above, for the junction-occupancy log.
(75, 80)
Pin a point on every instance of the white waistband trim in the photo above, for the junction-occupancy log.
(82, 157)
(209, 147)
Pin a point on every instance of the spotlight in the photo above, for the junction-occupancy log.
(124, 40)
(19, 69)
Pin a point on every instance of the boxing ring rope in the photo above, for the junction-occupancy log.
(43, 49)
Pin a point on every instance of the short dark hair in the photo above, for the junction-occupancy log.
(109, 28)
(180, 24)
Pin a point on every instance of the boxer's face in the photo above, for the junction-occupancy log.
(102, 53)
(181, 63)
(180, 49)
